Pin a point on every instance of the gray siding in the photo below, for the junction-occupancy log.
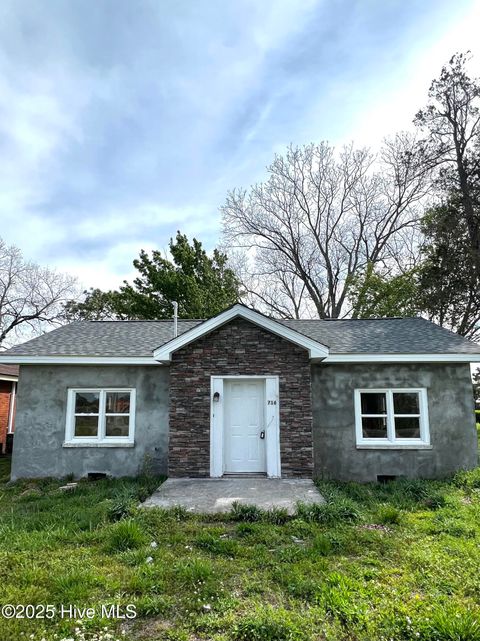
(452, 424)
(41, 418)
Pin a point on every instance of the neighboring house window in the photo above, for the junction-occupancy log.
(391, 417)
(100, 416)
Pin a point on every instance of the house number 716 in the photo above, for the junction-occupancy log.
(271, 402)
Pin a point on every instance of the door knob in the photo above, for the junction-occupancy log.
(262, 434)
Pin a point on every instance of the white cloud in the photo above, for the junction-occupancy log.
(116, 130)
(394, 102)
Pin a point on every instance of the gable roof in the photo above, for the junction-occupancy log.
(315, 348)
(134, 342)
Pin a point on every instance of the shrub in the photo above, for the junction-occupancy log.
(125, 535)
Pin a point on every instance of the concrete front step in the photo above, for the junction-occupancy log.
(211, 496)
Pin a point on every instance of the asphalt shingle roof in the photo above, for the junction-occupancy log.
(103, 338)
(140, 338)
(384, 336)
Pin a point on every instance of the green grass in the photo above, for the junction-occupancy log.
(396, 561)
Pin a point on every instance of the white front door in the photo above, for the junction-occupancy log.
(244, 426)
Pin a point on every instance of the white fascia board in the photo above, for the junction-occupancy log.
(5, 377)
(402, 358)
(79, 360)
(316, 350)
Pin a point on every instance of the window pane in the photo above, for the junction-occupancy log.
(374, 403)
(406, 403)
(86, 425)
(116, 425)
(118, 403)
(374, 427)
(407, 427)
(86, 402)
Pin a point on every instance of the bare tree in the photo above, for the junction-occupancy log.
(30, 296)
(451, 121)
(320, 217)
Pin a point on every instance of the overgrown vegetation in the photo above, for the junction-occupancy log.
(394, 561)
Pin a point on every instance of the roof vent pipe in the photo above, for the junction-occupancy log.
(175, 318)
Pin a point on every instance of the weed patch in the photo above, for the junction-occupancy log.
(397, 561)
(334, 511)
(125, 535)
(270, 625)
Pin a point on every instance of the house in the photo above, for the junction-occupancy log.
(8, 385)
(241, 393)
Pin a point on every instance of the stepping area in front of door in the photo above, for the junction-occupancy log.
(211, 496)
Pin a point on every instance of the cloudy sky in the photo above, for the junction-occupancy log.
(124, 120)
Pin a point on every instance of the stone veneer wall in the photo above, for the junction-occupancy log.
(244, 349)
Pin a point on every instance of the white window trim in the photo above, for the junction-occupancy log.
(100, 440)
(391, 442)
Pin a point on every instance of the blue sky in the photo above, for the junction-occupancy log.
(122, 121)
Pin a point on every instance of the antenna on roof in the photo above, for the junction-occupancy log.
(175, 318)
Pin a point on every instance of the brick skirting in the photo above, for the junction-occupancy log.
(244, 349)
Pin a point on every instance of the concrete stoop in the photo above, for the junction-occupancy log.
(211, 496)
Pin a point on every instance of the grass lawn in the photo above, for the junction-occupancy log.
(398, 561)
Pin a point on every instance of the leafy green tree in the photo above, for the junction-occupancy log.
(373, 294)
(202, 285)
(444, 285)
(449, 286)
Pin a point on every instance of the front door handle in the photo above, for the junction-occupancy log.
(262, 434)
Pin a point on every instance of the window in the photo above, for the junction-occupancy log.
(391, 418)
(100, 416)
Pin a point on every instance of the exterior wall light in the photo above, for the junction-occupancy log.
(216, 397)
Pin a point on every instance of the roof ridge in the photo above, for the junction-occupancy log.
(278, 320)
(139, 320)
(354, 319)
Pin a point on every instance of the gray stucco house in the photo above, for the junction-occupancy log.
(241, 393)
